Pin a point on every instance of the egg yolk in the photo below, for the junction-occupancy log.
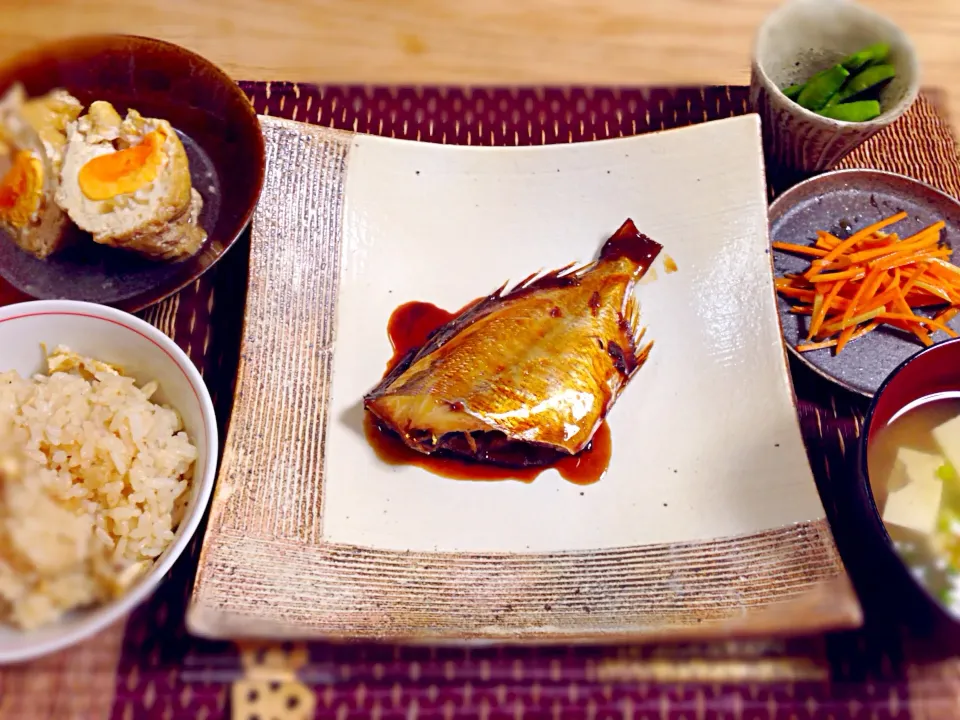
(124, 171)
(21, 189)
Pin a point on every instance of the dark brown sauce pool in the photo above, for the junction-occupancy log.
(583, 469)
(411, 324)
(408, 328)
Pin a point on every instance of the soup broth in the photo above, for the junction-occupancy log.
(912, 463)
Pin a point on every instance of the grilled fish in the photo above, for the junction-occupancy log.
(525, 376)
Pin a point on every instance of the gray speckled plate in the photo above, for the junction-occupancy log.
(841, 202)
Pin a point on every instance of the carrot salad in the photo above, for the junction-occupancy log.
(870, 279)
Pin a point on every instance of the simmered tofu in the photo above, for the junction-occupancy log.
(915, 491)
(947, 437)
(915, 506)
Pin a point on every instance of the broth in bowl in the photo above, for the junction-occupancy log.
(912, 463)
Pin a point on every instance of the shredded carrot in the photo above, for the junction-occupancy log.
(857, 320)
(806, 347)
(948, 269)
(899, 248)
(893, 260)
(927, 231)
(884, 298)
(933, 290)
(805, 295)
(853, 274)
(881, 239)
(911, 318)
(871, 279)
(827, 241)
(947, 315)
(863, 234)
(912, 280)
(825, 307)
(799, 249)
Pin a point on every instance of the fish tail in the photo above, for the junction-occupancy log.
(630, 243)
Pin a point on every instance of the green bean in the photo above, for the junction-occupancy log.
(864, 80)
(793, 92)
(821, 87)
(873, 55)
(859, 111)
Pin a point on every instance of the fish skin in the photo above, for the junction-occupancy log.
(525, 376)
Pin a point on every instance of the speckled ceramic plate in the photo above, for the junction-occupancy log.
(707, 521)
(836, 202)
(220, 134)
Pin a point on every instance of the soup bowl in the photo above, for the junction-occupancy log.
(887, 582)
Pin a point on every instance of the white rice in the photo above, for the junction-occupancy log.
(94, 480)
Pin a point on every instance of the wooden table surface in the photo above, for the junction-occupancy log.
(468, 41)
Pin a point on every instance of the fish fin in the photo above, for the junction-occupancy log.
(496, 294)
(641, 354)
(631, 316)
(628, 242)
(520, 285)
(568, 274)
(636, 333)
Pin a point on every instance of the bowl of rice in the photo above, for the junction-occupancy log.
(108, 453)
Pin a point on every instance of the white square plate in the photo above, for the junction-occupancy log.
(708, 519)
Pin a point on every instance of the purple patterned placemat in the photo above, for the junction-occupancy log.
(152, 669)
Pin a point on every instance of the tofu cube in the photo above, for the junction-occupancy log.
(947, 437)
(912, 466)
(915, 491)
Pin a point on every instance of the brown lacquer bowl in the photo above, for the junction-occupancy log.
(220, 133)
